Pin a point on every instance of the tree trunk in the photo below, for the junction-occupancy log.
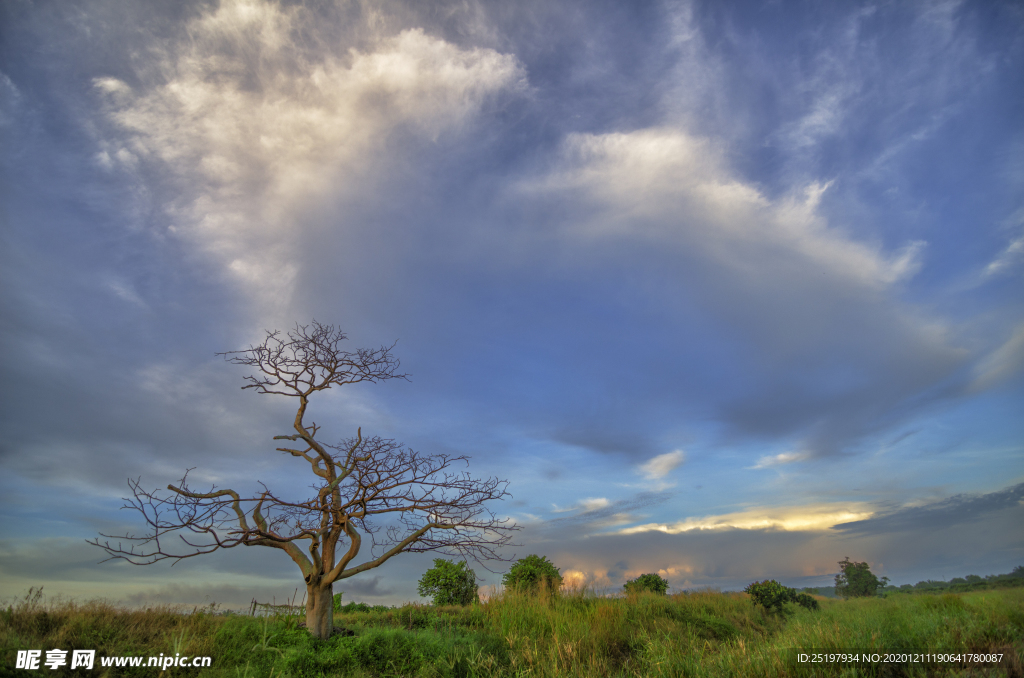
(320, 610)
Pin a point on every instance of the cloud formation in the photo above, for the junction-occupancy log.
(770, 268)
(783, 241)
(663, 464)
(788, 518)
(955, 510)
(779, 459)
(249, 124)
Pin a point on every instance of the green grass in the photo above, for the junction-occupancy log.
(574, 634)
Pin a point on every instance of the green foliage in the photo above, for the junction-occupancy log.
(773, 596)
(349, 608)
(971, 582)
(769, 594)
(449, 583)
(804, 600)
(531, 573)
(652, 583)
(855, 580)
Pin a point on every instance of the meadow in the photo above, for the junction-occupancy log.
(575, 633)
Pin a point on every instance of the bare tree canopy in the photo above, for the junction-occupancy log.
(371, 490)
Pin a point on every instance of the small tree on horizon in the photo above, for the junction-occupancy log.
(855, 580)
(449, 583)
(653, 583)
(531, 573)
(373, 489)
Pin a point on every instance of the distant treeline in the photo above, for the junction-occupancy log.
(971, 582)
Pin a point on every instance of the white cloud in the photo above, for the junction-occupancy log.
(253, 129)
(824, 118)
(663, 464)
(584, 505)
(10, 98)
(118, 89)
(780, 459)
(1009, 258)
(125, 291)
(664, 186)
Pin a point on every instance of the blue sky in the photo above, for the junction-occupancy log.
(725, 290)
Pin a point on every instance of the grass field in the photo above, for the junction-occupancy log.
(573, 634)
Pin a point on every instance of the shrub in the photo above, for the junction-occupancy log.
(772, 596)
(856, 580)
(349, 608)
(804, 600)
(647, 582)
(449, 583)
(531, 572)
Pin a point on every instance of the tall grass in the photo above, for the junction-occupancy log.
(36, 623)
(575, 633)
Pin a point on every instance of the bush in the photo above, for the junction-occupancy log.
(647, 582)
(856, 580)
(530, 573)
(772, 596)
(349, 608)
(449, 583)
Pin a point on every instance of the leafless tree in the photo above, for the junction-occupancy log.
(368, 489)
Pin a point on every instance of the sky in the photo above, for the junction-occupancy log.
(726, 291)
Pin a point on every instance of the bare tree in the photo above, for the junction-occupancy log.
(368, 489)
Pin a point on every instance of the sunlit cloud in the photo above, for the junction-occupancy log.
(797, 518)
(575, 579)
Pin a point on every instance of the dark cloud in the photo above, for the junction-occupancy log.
(73, 560)
(365, 587)
(598, 516)
(934, 516)
(223, 596)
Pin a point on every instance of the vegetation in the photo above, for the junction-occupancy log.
(650, 583)
(575, 634)
(855, 580)
(532, 574)
(971, 582)
(773, 596)
(449, 583)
